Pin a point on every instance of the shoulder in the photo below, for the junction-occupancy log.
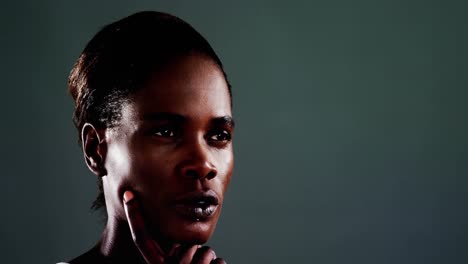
(92, 256)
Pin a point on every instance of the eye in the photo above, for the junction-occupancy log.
(220, 136)
(164, 132)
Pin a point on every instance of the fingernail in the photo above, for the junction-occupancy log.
(128, 196)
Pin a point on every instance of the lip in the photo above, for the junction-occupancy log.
(197, 206)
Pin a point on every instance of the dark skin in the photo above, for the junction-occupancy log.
(174, 141)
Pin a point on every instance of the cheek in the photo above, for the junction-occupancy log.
(225, 169)
(150, 172)
(118, 162)
(131, 168)
(118, 165)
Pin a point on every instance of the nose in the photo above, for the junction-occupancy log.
(198, 164)
(199, 170)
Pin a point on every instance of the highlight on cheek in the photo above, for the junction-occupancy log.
(118, 159)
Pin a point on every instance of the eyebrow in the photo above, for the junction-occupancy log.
(223, 121)
(167, 116)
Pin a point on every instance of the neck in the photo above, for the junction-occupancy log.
(116, 244)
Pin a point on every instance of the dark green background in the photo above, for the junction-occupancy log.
(351, 144)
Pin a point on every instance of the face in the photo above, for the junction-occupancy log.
(173, 148)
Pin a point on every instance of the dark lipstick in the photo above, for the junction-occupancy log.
(197, 206)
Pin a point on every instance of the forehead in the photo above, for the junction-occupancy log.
(192, 86)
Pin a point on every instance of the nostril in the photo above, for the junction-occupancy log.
(191, 174)
(211, 175)
(199, 170)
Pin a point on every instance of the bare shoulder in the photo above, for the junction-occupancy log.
(92, 256)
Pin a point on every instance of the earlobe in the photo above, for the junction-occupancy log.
(94, 149)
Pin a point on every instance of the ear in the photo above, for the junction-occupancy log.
(94, 148)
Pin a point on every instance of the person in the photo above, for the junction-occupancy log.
(153, 108)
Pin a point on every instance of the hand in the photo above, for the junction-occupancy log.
(149, 248)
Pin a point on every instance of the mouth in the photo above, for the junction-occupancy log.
(197, 206)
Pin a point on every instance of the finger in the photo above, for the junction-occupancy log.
(186, 256)
(204, 255)
(178, 253)
(218, 261)
(148, 248)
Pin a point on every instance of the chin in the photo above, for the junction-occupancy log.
(192, 232)
(182, 231)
